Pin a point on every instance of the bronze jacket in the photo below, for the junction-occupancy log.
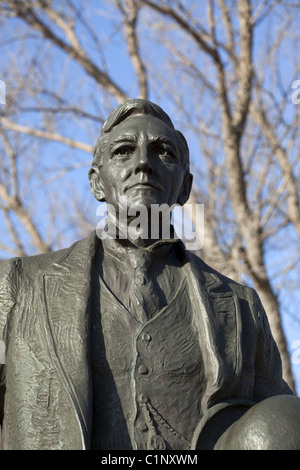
(45, 387)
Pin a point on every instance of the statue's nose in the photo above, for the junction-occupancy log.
(143, 160)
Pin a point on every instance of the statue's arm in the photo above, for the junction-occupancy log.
(8, 291)
(268, 367)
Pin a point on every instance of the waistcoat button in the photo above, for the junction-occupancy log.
(143, 398)
(140, 280)
(143, 370)
(146, 337)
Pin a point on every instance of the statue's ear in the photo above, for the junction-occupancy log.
(96, 184)
(186, 189)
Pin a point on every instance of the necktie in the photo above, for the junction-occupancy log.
(144, 300)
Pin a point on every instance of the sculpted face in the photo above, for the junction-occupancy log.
(142, 164)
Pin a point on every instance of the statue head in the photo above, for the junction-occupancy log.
(141, 156)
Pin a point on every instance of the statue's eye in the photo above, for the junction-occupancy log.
(123, 151)
(166, 152)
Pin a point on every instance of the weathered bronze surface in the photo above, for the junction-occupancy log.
(123, 343)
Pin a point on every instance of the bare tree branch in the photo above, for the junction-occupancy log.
(25, 11)
(14, 204)
(53, 136)
(130, 12)
(289, 179)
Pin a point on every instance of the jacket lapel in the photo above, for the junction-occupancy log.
(67, 293)
(218, 316)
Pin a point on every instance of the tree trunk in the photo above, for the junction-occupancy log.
(271, 305)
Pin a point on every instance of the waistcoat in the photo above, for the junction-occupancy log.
(147, 376)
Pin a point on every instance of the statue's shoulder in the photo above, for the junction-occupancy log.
(6, 266)
(8, 271)
(44, 260)
(218, 283)
(17, 274)
(82, 249)
(211, 274)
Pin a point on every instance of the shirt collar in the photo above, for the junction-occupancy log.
(120, 248)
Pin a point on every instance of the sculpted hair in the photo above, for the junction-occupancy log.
(129, 108)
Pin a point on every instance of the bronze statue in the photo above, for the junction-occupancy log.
(123, 342)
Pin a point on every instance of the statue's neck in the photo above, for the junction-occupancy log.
(140, 233)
